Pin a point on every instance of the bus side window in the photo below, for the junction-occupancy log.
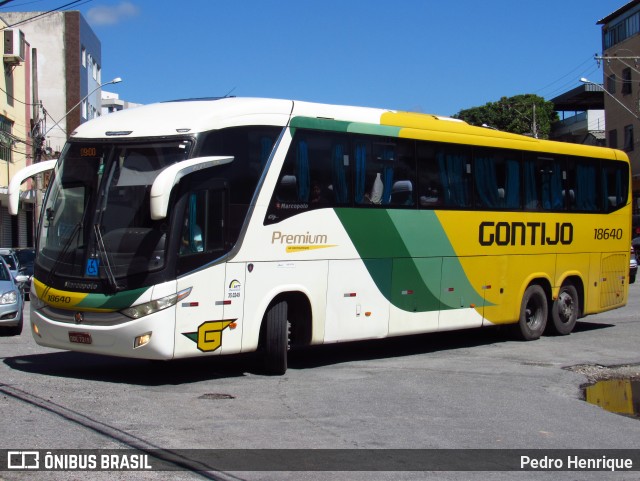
(543, 183)
(403, 189)
(497, 179)
(615, 185)
(454, 166)
(204, 227)
(384, 172)
(294, 183)
(581, 187)
(429, 185)
(314, 175)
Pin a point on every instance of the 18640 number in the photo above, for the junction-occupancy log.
(607, 234)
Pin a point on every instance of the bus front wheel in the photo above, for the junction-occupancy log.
(276, 345)
(564, 311)
(533, 313)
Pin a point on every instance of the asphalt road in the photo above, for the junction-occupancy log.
(473, 389)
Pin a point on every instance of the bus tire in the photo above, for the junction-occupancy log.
(564, 311)
(276, 344)
(533, 313)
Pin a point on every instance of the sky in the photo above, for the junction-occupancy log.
(431, 56)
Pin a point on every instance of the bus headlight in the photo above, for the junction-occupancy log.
(141, 310)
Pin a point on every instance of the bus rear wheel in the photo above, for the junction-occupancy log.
(564, 311)
(533, 313)
(276, 345)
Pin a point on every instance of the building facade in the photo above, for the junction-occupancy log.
(70, 73)
(621, 79)
(19, 116)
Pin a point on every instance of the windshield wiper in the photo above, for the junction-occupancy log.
(105, 259)
(62, 256)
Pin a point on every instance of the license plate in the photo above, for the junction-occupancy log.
(80, 337)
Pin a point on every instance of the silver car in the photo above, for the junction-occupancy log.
(11, 303)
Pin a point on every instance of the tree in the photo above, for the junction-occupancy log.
(514, 114)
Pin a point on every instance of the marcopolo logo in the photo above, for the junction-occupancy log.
(525, 233)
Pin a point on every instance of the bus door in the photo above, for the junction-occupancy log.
(201, 325)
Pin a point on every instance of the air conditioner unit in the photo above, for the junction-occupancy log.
(14, 46)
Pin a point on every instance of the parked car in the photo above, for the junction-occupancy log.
(11, 303)
(26, 257)
(633, 266)
(11, 259)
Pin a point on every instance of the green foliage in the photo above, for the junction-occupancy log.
(514, 114)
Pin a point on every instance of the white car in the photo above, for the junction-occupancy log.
(633, 267)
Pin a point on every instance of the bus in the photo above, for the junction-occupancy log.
(233, 225)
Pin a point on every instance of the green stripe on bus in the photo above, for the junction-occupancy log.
(120, 300)
(417, 244)
(332, 125)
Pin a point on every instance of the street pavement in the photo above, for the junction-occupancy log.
(474, 389)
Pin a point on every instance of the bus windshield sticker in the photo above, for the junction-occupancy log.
(91, 269)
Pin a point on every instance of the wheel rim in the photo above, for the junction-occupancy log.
(566, 307)
(534, 313)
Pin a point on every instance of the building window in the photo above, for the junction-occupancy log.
(622, 30)
(628, 138)
(611, 84)
(84, 57)
(6, 125)
(626, 81)
(613, 139)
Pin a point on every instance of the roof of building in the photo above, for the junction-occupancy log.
(618, 12)
(582, 98)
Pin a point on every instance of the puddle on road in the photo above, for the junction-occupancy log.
(621, 396)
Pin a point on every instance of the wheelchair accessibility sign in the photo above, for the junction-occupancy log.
(92, 267)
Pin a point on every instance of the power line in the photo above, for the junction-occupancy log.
(27, 20)
(571, 73)
(16, 99)
(21, 4)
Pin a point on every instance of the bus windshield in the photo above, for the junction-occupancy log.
(96, 221)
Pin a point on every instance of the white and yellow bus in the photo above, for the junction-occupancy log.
(232, 225)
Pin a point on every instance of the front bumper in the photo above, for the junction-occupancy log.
(114, 337)
(10, 314)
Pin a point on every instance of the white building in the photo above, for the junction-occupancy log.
(111, 103)
(69, 69)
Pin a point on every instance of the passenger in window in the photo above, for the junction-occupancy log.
(317, 196)
(402, 193)
(431, 197)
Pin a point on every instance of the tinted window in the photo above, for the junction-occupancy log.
(328, 169)
(4, 273)
(251, 148)
(497, 179)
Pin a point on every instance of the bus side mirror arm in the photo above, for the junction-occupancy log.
(22, 175)
(169, 177)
